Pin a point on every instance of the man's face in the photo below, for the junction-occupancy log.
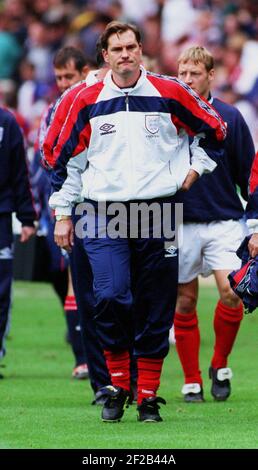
(124, 53)
(68, 75)
(196, 76)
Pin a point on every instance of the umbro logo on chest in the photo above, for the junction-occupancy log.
(107, 129)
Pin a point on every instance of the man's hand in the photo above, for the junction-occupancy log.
(26, 233)
(64, 234)
(253, 245)
(190, 179)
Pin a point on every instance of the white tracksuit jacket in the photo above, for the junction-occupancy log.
(112, 144)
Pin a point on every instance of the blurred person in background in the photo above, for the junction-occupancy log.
(213, 230)
(10, 49)
(15, 196)
(70, 67)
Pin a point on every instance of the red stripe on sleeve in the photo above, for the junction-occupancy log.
(84, 98)
(58, 121)
(174, 89)
(253, 182)
(178, 124)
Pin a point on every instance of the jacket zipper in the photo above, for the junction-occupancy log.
(129, 145)
(126, 102)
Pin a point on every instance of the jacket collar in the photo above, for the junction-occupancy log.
(109, 82)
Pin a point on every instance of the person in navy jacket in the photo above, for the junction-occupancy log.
(213, 230)
(15, 196)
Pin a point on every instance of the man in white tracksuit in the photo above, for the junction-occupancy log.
(124, 141)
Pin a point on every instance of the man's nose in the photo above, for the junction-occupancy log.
(64, 83)
(124, 52)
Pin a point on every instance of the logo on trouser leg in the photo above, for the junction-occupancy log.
(170, 251)
(6, 253)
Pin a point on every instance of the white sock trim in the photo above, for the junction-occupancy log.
(191, 388)
(224, 373)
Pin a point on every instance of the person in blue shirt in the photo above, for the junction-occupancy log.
(213, 230)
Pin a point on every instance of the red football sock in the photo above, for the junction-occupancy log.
(149, 371)
(70, 303)
(73, 326)
(118, 364)
(226, 325)
(187, 336)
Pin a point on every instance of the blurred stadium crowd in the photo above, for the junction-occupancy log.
(31, 31)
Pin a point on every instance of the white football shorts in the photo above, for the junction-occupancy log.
(207, 247)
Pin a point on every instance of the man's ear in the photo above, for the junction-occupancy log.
(211, 75)
(105, 56)
(85, 70)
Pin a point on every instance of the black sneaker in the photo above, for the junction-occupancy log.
(149, 410)
(220, 387)
(100, 397)
(193, 393)
(116, 399)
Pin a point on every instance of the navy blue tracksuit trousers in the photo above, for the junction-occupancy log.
(135, 288)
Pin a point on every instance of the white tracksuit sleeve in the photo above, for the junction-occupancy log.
(200, 161)
(62, 201)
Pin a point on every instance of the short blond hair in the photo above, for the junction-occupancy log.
(197, 54)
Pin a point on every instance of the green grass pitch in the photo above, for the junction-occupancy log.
(43, 408)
